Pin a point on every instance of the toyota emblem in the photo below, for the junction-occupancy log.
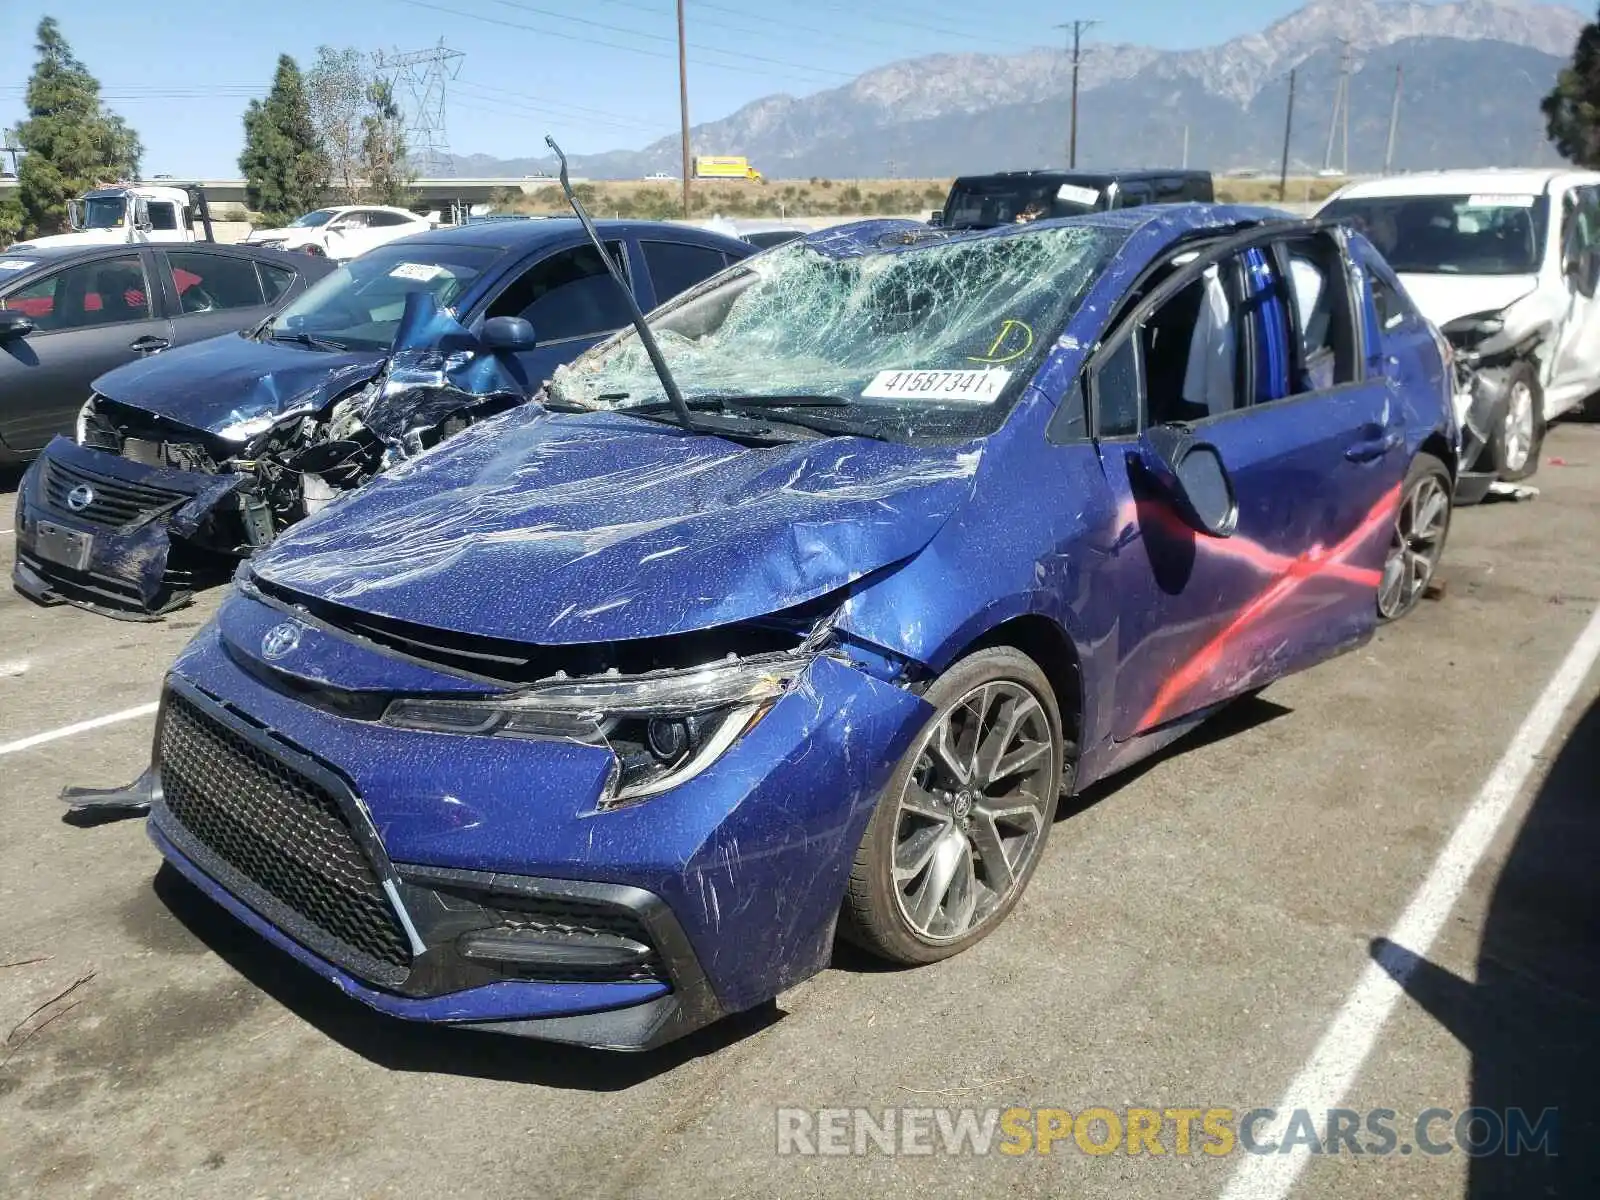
(80, 497)
(280, 640)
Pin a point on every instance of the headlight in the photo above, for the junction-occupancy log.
(664, 727)
(81, 433)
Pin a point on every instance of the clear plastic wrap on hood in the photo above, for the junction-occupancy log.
(437, 368)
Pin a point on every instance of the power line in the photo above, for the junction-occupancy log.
(742, 55)
(856, 14)
(596, 116)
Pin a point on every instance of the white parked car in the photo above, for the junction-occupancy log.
(342, 232)
(1506, 264)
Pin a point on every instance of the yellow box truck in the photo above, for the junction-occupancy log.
(725, 166)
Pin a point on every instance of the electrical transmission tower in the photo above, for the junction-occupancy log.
(419, 77)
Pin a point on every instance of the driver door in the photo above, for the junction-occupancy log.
(1314, 454)
(1575, 363)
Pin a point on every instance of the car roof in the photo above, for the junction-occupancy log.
(1452, 183)
(513, 233)
(1163, 222)
(53, 256)
(1052, 174)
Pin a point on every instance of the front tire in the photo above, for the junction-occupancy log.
(1520, 433)
(1421, 524)
(963, 821)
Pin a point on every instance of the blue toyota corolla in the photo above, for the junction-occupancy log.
(601, 719)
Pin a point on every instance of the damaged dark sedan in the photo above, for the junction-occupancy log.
(186, 462)
(797, 610)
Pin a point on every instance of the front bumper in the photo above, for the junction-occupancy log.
(1480, 410)
(733, 880)
(116, 554)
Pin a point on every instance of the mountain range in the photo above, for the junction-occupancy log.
(1471, 76)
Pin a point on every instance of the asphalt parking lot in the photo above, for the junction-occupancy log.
(1194, 932)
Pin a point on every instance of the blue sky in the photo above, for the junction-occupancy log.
(601, 75)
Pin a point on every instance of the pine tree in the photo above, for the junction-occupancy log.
(285, 170)
(72, 142)
(1572, 109)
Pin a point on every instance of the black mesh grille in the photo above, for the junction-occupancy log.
(283, 832)
(109, 501)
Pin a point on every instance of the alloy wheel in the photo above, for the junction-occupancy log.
(1419, 529)
(1517, 438)
(971, 817)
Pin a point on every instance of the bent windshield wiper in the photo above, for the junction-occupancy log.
(731, 400)
(647, 339)
(739, 427)
(305, 339)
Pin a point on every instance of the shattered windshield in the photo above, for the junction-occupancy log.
(104, 212)
(359, 306)
(984, 204)
(908, 343)
(321, 217)
(1451, 235)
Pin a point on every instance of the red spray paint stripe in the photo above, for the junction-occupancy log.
(1315, 562)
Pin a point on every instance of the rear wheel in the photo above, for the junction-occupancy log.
(963, 822)
(1420, 526)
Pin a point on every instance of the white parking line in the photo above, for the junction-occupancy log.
(1335, 1063)
(7, 531)
(66, 731)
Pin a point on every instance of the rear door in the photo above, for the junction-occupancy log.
(90, 317)
(211, 293)
(1271, 375)
(674, 267)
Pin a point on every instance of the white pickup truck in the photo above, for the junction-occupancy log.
(1506, 264)
(131, 213)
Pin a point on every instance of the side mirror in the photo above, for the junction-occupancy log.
(936, 217)
(141, 215)
(14, 324)
(1587, 272)
(511, 334)
(1192, 474)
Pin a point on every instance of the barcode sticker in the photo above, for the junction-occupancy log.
(421, 272)
(977, 387)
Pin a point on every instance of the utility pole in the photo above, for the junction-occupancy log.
(1341, 108)
(1288, 130)
(1078, 28)
(1394, 122)
(1344, 151)
(1185, 147)
(8, 145)
(683, 106)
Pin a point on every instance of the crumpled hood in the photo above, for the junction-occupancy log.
(1443, 298)
(568, 529)
(228, 380)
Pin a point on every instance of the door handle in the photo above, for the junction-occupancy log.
(148, 345)
(1377, 448)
